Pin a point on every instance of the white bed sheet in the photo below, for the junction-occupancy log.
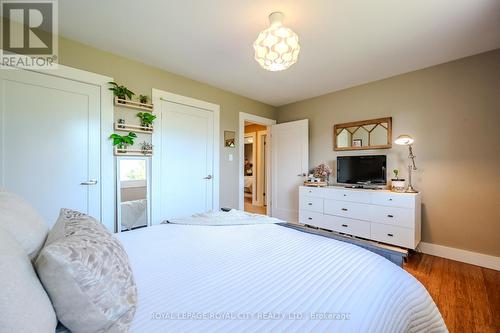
(248, 274)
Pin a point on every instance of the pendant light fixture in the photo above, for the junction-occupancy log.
(277, 47)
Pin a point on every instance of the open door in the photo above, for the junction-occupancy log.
(289, 167)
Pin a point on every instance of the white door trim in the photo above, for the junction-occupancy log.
(157, 96)
(107, 187)
(241, 178)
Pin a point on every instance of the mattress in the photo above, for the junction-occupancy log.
(267, 278)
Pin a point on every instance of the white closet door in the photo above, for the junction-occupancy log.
(50, 142)
(289, 164)
(187, 159)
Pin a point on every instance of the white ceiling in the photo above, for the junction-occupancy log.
(343, 42)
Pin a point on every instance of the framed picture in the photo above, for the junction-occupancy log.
(357, 143)
(229, 139)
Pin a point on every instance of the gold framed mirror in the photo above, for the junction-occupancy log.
(362, 135)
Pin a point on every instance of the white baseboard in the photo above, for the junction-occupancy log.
(468, 257)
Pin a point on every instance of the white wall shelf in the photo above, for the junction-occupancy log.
(133, 105)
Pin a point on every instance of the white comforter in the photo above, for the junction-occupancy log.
(233, 217)
(267, 278)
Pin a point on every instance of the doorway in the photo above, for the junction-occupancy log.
(254, 171)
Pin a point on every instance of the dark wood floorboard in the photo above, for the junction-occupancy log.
(468, 296)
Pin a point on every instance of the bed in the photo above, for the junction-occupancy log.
(134, 214)
(262, 277)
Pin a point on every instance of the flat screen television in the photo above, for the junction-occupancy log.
(362, 170)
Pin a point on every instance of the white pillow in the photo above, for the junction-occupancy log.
(23, 222)
(24, 304)
(86, 273)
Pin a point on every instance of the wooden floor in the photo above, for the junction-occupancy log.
(468, 296)
(254, 209)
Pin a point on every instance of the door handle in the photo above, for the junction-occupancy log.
(208, 177)
(89, 182)
(302, 174)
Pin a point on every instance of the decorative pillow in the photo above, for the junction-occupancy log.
(86, 273)
(24, 305)
(22, 222)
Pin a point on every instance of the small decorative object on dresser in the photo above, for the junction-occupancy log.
(322, 172)
(397, 184)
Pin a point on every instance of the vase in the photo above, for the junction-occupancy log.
(398, 185)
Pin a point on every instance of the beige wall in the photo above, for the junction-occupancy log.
(453, 112)
(141, 78)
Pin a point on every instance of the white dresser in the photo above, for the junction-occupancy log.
(380, 215)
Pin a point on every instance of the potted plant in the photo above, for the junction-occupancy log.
(143, 99)
(146, 147)
(397, 184)
(121, 123)
(146, 118)
(122, 141)
(121, 92)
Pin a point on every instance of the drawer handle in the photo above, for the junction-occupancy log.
(344, 209)
(345, 225)
(345, 195)
(390, 199)
(310, 204)
(390, 215)
(309, 218)
(390, 235)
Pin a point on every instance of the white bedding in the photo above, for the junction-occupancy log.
(267, 278)
(233, 217)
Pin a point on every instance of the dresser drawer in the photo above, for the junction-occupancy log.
(347, 226)
(311, 192)
(311, 204)
(393, 199)
(393, 235)
(402, 217)
(348, 195)
(311, 218)
(347, 209)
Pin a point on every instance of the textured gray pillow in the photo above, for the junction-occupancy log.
(23, 222)
(86, 273)
(24, 304)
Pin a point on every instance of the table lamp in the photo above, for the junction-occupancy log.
(406, 140)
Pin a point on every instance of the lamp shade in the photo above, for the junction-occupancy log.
(404, 140)
(277, 47)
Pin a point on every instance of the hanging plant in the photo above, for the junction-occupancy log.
(146, 118)
(121, 92)
(122, 141)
